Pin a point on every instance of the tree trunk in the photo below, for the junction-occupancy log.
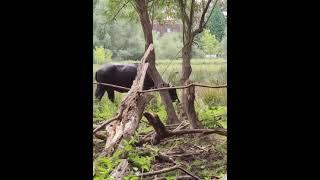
(188, 103)
(142, 10)
(187, 98)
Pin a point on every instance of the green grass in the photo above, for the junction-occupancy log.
(210, 105)
(207, 71)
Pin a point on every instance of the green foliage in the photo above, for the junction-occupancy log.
(120, 10)
(209, 43)
(105, 109)
(143, 163)
(101, 55)
(210, 105)
(104, 166)
(168, 46)
(160, 10)
(197, 52)
(213, 117)
(170, 178)
(122, 35)
(217, 23)
(156, 106)
(131, 178)
(127, 41)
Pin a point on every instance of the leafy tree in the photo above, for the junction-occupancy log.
(101, 55)
(209, 43)
(168, 46)
(217, 23)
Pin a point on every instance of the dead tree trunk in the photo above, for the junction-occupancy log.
(142, 9)
(130, 111)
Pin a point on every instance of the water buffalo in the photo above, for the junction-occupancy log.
(122, 75)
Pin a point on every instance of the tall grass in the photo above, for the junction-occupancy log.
(210, 103)
(209, 71)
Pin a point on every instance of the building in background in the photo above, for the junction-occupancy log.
(167, 26)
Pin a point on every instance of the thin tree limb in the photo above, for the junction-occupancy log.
(200, 28)
(205, 24)
(106, 123)
(165, 170)
(160, 171)
(111, 85)
(114, 17)
(189, 173)
(164, 88)
(183, 87)
(162, 132)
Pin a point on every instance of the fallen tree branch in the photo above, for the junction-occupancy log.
(189, 173)
(129, 115)
(101, 135)
(177, 178)
(220, 131)
(162, 132)
(186, 154)
(119, 172)
(160, 171)
(164, 158)
(105, 123)
(165, 170)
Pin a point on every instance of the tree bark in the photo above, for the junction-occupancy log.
(142, 10)
(130, 112)
(188, 36)
(187, 98)
(188, 103)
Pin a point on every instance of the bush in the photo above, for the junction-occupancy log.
(168, 46)
(101, 55)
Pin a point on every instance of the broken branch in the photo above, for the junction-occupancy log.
(105, 123)
(162, 132)
(160, 171)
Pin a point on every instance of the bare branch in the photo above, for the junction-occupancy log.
(187, 172)
(162, 132)
(182, 87)
(200, 28)
(184, 15)
(191, 14)
(205, 24)
(164, 88)
(177, 178)
(106, 123)
(220, 131)
(119, 171)
(160, 171)
(111, 85)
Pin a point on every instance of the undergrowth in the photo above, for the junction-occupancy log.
(211, 108)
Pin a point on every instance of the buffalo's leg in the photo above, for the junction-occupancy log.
(99, 92)
(110, 94)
